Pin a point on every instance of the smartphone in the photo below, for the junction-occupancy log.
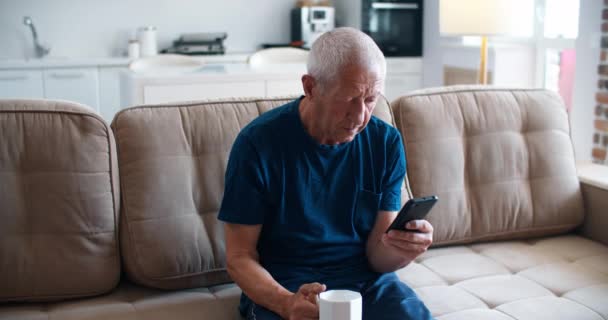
(414, 209)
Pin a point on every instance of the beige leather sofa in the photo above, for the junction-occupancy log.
(119, 222)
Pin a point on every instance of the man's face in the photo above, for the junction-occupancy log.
(346, 105)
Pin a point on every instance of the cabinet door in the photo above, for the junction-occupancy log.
(403, 65)
(185, 92)
(397, 85)
(75, 84)
(109, 91)
(284, 88)
(21, 84)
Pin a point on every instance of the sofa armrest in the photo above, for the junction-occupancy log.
(594, 186)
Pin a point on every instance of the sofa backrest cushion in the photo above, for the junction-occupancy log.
(172, 161)
(500, 160)
(58, 202)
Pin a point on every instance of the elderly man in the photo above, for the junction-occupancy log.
(311, 188)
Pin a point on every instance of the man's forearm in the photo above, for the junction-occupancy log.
(258, 284)
(384, 259)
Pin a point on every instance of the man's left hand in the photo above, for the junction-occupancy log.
(410, 244)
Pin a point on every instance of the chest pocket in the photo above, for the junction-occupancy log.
(366, 211)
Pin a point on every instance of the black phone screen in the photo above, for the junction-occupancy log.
(414, 209)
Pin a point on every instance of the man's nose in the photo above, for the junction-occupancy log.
(357, 115)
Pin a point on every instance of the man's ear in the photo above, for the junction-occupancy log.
(308, 83)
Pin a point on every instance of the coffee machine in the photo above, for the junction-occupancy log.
(309, 22)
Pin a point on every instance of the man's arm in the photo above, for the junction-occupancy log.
(395, 250)
(255, 281)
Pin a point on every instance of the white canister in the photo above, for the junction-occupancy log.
(133, 49)
(147, 41)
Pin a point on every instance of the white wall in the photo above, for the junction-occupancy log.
(96, 28)
(585, 79)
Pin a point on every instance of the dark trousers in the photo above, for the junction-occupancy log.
(384, 298)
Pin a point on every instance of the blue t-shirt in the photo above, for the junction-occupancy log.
(317, 203)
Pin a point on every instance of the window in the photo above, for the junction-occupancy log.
(556, 32)
(561, 19)
(547, 32)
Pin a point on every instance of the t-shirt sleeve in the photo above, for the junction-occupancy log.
(244, 200)
(393, 178)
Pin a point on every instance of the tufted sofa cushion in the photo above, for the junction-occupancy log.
(58, 202)
(563, 277)
(132, 302)
(172, 162)
(501, 162)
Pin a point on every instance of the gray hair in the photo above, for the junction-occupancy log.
(343, 47)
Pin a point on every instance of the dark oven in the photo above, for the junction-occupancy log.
(395, 25)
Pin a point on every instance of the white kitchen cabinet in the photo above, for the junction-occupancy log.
(182, 92)
(404, 65)
(240, 80)
(94, 82)
(211, 82)
(109, 91)
(21, 84)
(402, 76)
(397, 85)
(275, 88)
(74, 84)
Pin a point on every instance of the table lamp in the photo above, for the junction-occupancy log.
(479, 18)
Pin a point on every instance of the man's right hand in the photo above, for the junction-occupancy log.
(302, 305)
(244, 267)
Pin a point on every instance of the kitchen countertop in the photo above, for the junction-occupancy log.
(217, 71)
(67, 62)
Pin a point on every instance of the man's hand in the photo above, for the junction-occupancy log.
(410, 244)
(303, 304)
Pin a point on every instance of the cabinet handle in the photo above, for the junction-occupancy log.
(13, 78)
(73, 75)
(409, 6)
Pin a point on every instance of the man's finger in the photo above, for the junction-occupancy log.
(312, 298)
(312, 288)
(308, 310)
(406, 246)
(420, 225)
(311, 310)
(411, 237)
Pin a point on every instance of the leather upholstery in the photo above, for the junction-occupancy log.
(58, 202)
(501, 162)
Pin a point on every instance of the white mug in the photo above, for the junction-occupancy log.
(340, 305)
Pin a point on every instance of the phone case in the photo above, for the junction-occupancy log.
(414, 209)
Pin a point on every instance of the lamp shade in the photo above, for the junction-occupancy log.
(483, 17)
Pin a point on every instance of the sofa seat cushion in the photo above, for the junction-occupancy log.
(59, 202)
(563, 277)
(130, 301)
